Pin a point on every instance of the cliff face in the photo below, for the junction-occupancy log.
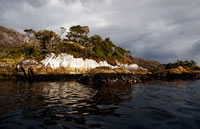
(9, 37)
(146, 63)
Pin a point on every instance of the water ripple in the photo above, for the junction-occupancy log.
(70, 105)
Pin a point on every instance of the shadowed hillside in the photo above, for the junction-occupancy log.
(146, 63)
(10, 36)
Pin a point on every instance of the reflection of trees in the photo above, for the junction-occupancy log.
(71, 94)
(73, 101)
(79, 99)
(69, 101)
(113, 95)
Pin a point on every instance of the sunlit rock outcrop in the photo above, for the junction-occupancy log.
(129, 67)
(101, 70)
(6, 68)
(64, 60)
(66, 64)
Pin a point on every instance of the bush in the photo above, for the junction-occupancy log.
(25, 51)
(186, 64)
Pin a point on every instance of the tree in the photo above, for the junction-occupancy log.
(62, 30)
(69, 35)
(185, 64)
(29, 32)
(107, 39)
(75, 29)
(96, 38)
(80, 30)
(47, 38)
(84, 30)
(78, 34)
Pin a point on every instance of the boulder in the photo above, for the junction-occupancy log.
(27, 67)
(109, 79)
(101, 70)
(6, 71)
(140, 70)
(6, 68)
(121, 70)
(178, 70)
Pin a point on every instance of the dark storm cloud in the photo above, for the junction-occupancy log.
(162, 30)
(165, 30)
(195, 49)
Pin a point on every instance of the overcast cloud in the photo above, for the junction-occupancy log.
(164, 30)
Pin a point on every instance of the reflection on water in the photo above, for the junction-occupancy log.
(71, 94)
(67, 105)
(50, 101)
(173, 83)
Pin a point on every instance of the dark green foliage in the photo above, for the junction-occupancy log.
(78, 34)
(108, 51)
(28, 51)
(74, 49)
(75, 29)
(119, 52)
(189, 65)
(62, 30)
(99, 48)
(96, 39)
(80, 30)
(78, 44)
(25, 51)
(185, 64)
(29, 31)
(47, 38)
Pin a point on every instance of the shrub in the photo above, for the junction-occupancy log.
(185, 64)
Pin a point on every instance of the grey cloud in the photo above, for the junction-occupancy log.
(194, 52)
(85, 2)
(195, 49)
(37, 3)
(34, 3)
(157, 29)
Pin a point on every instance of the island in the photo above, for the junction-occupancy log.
(46, 56)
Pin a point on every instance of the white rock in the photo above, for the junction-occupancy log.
(64, 60)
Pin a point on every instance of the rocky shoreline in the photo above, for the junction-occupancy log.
(125, 79)
(100, 79)
(31, 71)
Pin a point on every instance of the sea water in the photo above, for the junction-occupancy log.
(70, 105)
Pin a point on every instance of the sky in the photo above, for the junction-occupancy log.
(163, 30)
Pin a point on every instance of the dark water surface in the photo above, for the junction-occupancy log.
(70, 105)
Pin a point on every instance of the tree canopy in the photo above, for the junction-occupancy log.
(47, 38)
(78, 43)
(184, 64)
(80, 30)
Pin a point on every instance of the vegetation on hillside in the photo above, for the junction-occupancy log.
(77, 43)
(15, 47)
(185, 64)
(188, 65)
